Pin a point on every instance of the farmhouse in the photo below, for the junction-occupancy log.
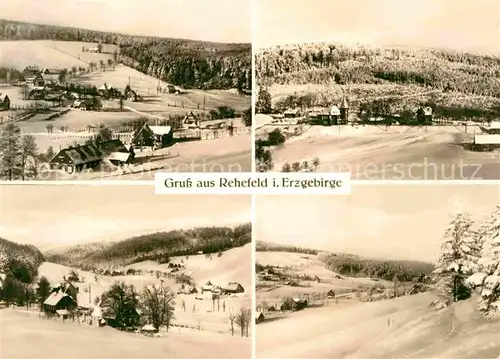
(190, 121)
(152, 136)
(259, 317)
(4, 102)
(233, 287)
(293, 304)
(76, 159)
(171, 89)
(67, 288)
(207, 287)
(59, 301)
(424, 115)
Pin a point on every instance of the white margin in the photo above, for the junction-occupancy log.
(254, 89)
(254, 277)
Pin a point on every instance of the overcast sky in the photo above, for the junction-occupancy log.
(50, 216)
(384, 221)
(219, 20)
(458, 24)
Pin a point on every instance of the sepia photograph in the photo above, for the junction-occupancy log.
(389, 272)
(117, 90)
(389, 89)
(88, 272)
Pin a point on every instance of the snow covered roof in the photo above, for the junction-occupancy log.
(160, 130)
(148, 327)
(119, 156)
(62, 312)
(55, 298)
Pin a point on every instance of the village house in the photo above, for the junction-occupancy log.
(325, 117)
(190, 121)
(4, 102)
(76, 159)
(291, 113)
(115, 152)
(424, 115)
(171, 89)
(79, 158)
(259, 317)
(51, 76)
(233, 288)
(293, 304)
(152, 136)
(59, 301)
(32, 76)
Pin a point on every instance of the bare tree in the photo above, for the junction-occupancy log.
(243, 321)
(183, 303)
(232, 319)
(157, 303)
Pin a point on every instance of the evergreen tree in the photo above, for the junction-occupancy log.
(10, 151)
(487, 278)
(42, 291)
(264, 103)
(458, 259)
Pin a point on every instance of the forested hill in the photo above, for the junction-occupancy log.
(21, 261)
(186, 63)
(323, 63)
(156, 246)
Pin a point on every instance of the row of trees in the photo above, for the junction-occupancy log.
(161, 246)
(323, 63)
(470, 261)
(403, 271)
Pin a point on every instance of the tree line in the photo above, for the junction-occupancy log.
(324, 63)
(403, 271)
(186, 63)
(161, 246)
(272, 247)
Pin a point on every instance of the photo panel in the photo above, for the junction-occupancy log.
(392, 271)
(401, 90)
(118, 90)
(118, 272)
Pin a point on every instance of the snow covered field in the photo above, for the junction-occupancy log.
(400, 152)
